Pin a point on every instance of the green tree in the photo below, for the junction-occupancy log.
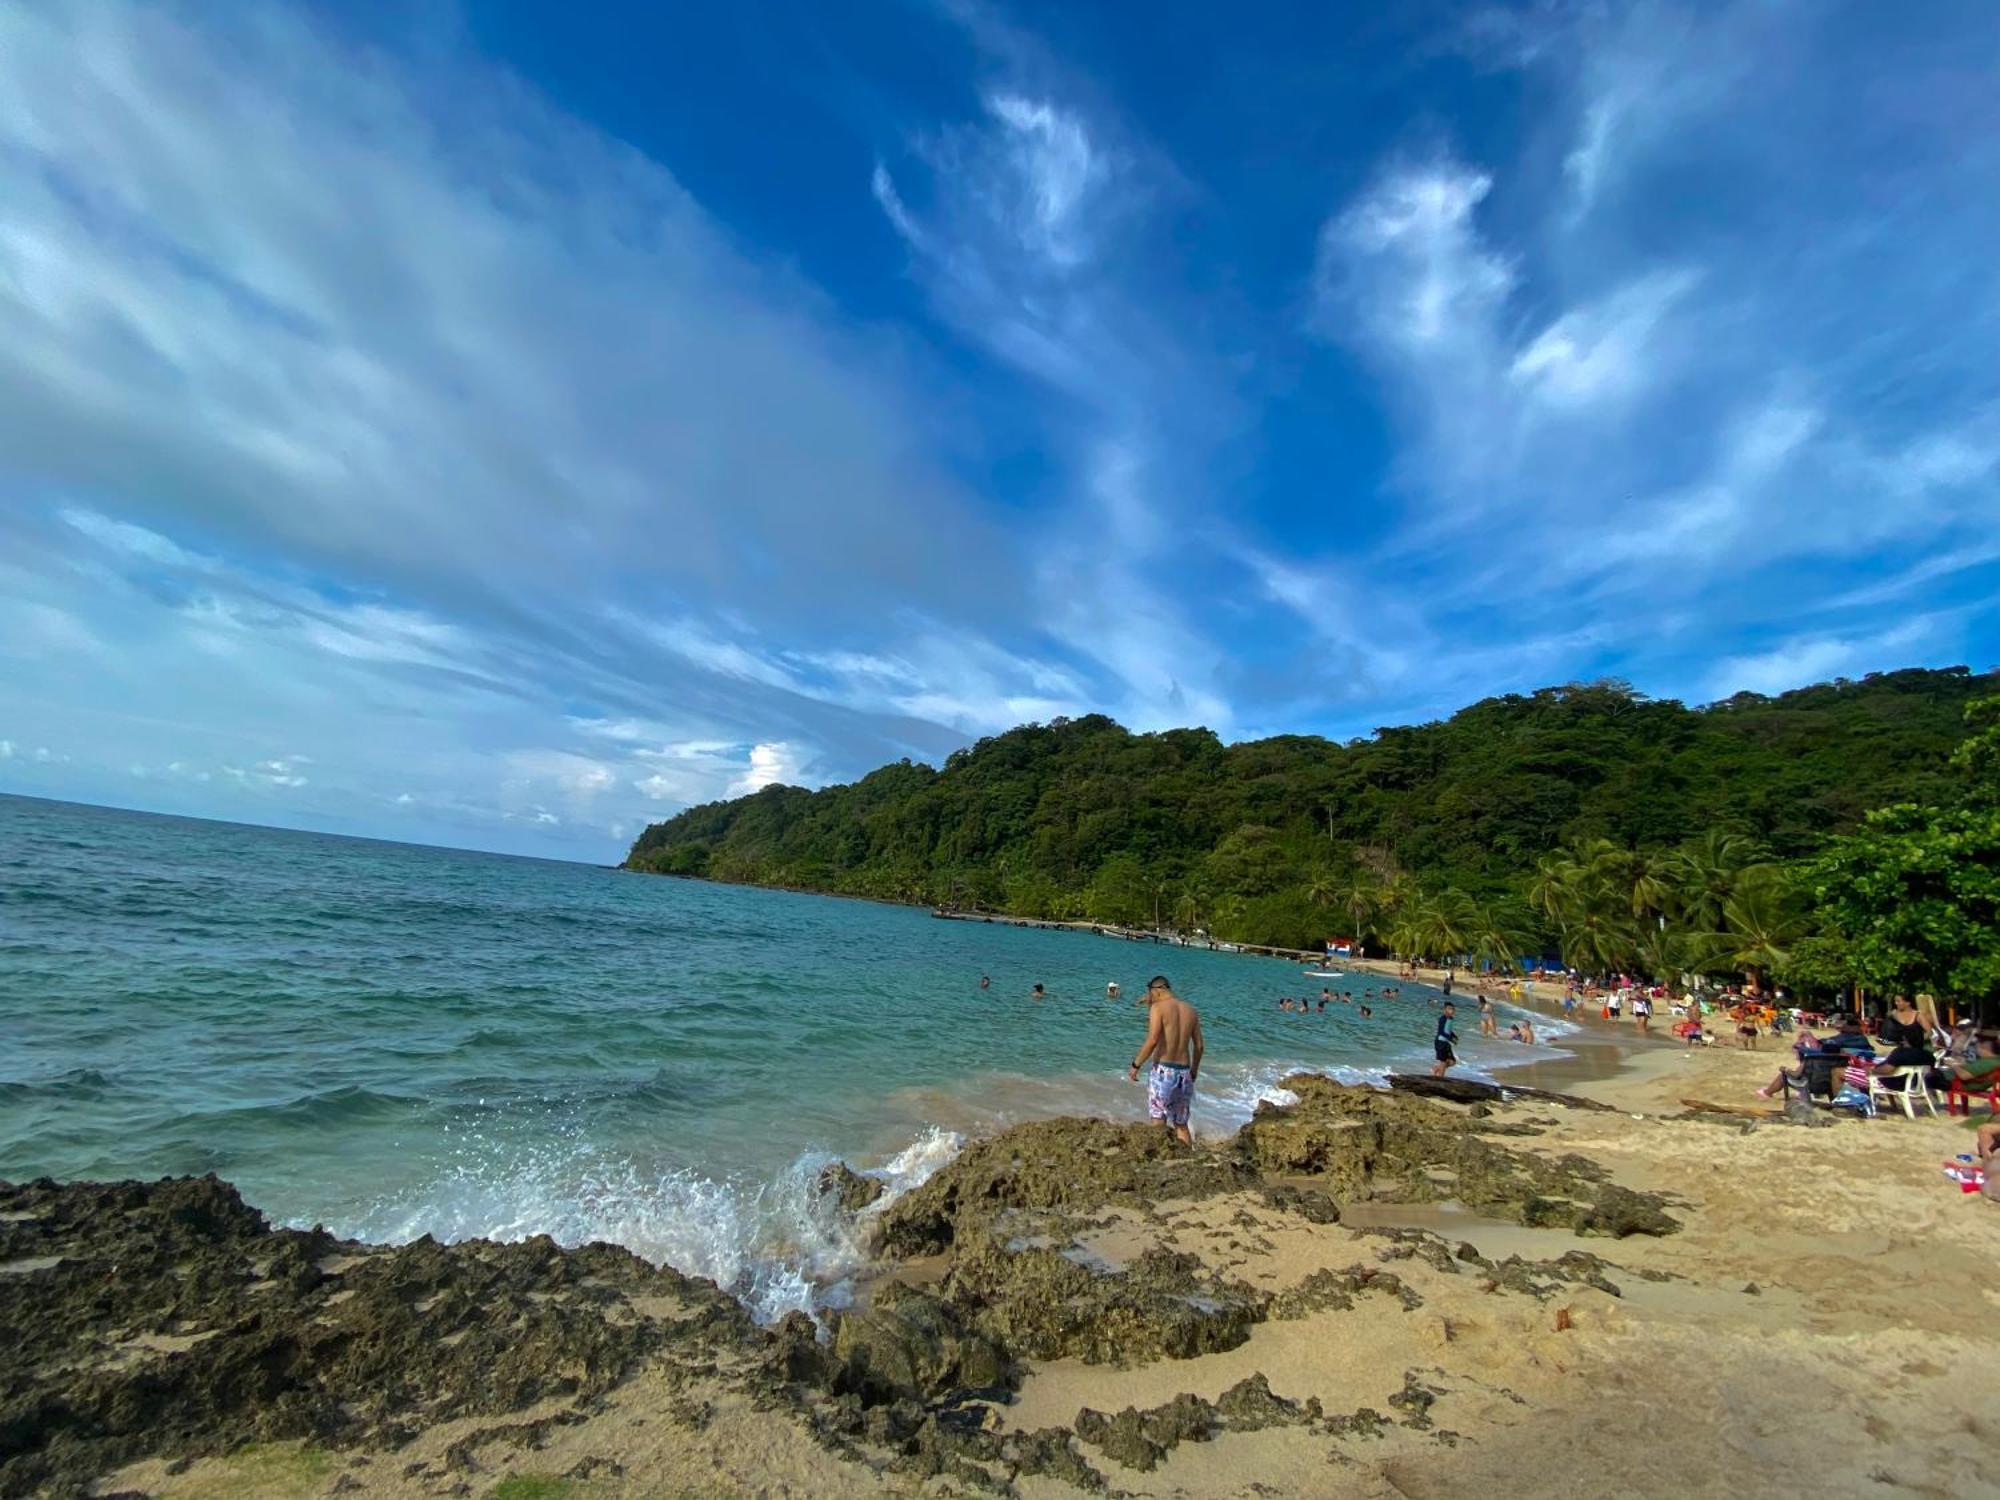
(1704, 871)
(1499, 934)
(1761, 921)
(1361, 899)
(1914, 900)
(1028, 820)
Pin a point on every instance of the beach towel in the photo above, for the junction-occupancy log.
(1971, 1178)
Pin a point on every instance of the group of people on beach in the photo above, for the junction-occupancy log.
(1843, 1064)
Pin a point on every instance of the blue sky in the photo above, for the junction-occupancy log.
(504, 427)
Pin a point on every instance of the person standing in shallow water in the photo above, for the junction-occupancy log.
(1174, 1045)
(1446, 1045)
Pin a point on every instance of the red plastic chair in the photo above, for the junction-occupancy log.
(1958, 1097)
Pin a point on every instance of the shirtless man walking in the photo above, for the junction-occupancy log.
(1173, 1042)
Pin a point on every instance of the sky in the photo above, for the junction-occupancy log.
(504, 425)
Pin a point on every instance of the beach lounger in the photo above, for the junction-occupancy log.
(1905, 1086)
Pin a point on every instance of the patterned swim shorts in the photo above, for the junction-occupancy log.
(1169, 1093)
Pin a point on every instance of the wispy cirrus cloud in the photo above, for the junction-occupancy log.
(360, 403)
(1658, 400)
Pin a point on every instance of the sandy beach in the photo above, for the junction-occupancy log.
(1363, 1294)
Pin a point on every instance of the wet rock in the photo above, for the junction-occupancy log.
(794, 1355)
(169, 1318)
(1415, 1401)
(1249, 1405)
(1329, 1289)
(1418, 1244)
(1041, 1304)
(1364, 1422)
(1541, 1279)
(1050, 1451)
(1074, 1165)
(1362, 1143)
(1308, 1203)
(910, 1343)
(177, 1322)
(848, 1188)
(1141, 1438)
(1123, 1438)
(1476, 1094)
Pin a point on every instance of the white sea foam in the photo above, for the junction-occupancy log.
(1228, 1097)
(915, 1163)
(779, 1245)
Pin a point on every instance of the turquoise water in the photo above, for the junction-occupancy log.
(397, 1040)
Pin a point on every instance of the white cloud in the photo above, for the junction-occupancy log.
(1408, 262)
(6, 749)
(1605, 351)
(771, 765)
(1019, 246)
(575, 776)
(1058, 168)
(123, 536)
(408, 382)
(1805, 659)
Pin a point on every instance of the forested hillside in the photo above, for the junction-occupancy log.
(1261, 840)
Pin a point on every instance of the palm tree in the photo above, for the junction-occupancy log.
(1598, 938)
(1406, 935)
(1187, 910)
(1361, 900)
(1760, 923)
(1704, 872)
(1648, 878)
(1552, 889)
(1446, 921)
(1498, 935)
(1322, 890)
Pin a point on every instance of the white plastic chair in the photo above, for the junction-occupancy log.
(1905, 1086)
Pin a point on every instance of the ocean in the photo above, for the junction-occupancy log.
(395, 1040)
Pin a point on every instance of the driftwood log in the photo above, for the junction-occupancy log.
(1467, 1091)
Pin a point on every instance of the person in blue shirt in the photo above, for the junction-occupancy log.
(1447, 1042)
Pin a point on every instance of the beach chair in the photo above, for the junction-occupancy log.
(1904, 1086)
(1958, 1096)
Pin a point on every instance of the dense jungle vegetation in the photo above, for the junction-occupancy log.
(1586, 821)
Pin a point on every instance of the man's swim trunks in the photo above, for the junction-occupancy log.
(1169, 1093)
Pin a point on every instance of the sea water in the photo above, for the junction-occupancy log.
(395, 1040)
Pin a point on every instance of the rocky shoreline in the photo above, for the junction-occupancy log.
(169, 1321)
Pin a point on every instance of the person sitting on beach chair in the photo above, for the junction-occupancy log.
(1854, 1093)
(1790, 1079)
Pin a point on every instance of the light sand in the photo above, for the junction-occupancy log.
(1827, 1324)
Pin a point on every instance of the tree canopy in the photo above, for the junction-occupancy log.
(1586, 819)
(1910, 901)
